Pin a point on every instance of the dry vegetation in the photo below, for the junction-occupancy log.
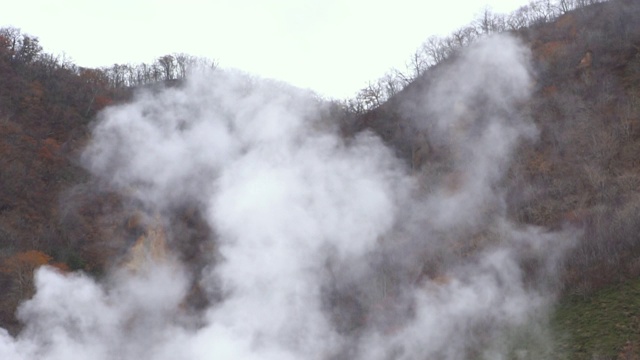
(584, 172)
(50, 211)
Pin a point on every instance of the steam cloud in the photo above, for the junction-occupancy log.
(329, 248)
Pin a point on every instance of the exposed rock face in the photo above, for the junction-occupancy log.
(583, 70)
(150, 247)
(586, 61)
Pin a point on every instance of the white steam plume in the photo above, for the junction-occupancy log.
(329, 248)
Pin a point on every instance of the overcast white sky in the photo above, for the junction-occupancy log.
(333, 47)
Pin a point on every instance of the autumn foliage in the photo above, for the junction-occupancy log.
(583, 173)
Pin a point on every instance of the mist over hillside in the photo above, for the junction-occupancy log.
(221, 215)
(582, 170)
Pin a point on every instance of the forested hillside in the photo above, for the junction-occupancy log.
(584, 170)
(45, 108)
(581, 172)
(51, 212)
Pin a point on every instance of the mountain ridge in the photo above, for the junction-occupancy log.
(583, 173)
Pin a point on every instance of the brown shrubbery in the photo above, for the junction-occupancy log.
(584, 171)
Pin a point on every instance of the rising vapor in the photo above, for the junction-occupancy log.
(327, 248)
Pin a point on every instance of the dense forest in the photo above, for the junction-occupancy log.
(582, 174)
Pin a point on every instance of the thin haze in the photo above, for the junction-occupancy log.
(333, 47)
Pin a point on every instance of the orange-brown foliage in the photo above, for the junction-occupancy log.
(550, 90)
(566, 25)
(50, 149)
(548, 50)
(101, 102)
(60, 266)
(539, 165)
(576, 217)
(27, 260)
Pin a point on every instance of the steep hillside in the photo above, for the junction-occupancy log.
(583, 171)
(45, 109)
(51, 211)
(579, 174)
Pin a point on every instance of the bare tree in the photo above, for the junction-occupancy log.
(168, 65)
(566, 5)
(372, 96)
(418, 63)
(402, 78)
(488, 22)
(464, 36)
(518, 19)
(155, 72)
(117, 75)
(11, 36)
(543, 11)
(435, 49)
(390, 84)
(22, 47)
(183, 63)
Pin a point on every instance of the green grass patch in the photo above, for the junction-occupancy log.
(599, 326)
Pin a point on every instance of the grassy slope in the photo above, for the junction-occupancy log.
(601, 326)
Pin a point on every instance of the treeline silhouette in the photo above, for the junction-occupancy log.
(584, 171)
(51, 211)
(435, 49)
(23, 49)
